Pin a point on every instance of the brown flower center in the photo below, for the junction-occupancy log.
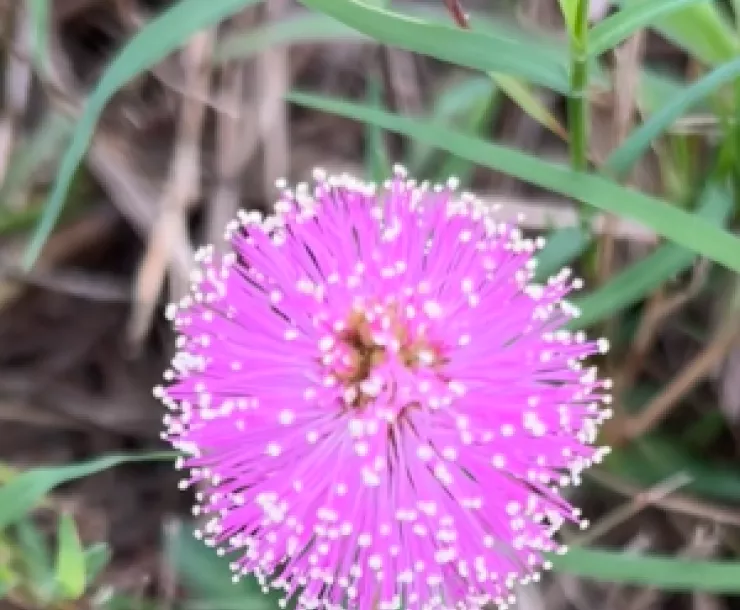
(363, 353)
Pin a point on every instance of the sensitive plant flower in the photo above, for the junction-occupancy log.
(377, 403)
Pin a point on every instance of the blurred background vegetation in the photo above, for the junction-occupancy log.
(132, 130)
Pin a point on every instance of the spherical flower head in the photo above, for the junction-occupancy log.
(377, 404)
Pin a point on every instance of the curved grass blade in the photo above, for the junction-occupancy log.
(562, 248)
(658, 88)
(651, 460)
(71, 573)
(611, 31)
(685, 229)
(45, 144)
(701, 30)
(26, 490)
(664, 573)
(450, 104)
(468, 48)
(377, 164)
(622, 160)
(150, 45)
(523, 96)
(97, 557)
(36, 559)
(39, 13)
(311, 27)
(208, 577)
(640, 279)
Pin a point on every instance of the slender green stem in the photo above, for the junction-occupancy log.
(577, 102)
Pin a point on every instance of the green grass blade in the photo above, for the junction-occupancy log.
(39, 13)
(562, 248)
(477, 122)
(653, 459)
(450, 104)
(208, 577)
(311, 27)
(621, 160)
(36, 558)
(658, 89)
(701, 30)
(664, 573)
(685, 229)
(97, 558)
(468, 48)
(70, 565)
(25, 491)
(45, 144)
(636, 15)
(637, 281)
(568, 8)
(523, 96)
(377, 164)
(151, 44)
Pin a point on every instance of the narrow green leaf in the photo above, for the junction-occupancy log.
(521, 94)
(700, 29)
(208, 576)
(36, 558)
(377, 165)
(658, 89)
(450, 104)
(149, 45)
(634, 16)
(477, 123)
(468, 48)
(97, 558)
(39, 13)
(310, 27)
(44, 145)
(562, 248)
(653, 459)
(685, 229)
(317, 27)
(70, 565)
(569, 8)
(622, 160)
(24, 491)
(640, 279)
(664, 573)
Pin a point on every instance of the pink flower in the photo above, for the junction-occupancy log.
(378, 406)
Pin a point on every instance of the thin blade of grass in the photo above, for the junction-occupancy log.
(685, 229)
(468, 48)
(700, 29)
(311, 27)
(664, 573)
(151, 44)
(39, 13)
(26, 490)
(621, 161)
(617, 28)
(562, 248)
(454, 101)
(377, 164)
(523, 96)
(477, 123)
(208, 577)
(640, 279)
(651, 460)
(70, 565)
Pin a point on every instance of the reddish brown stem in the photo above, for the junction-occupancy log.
(457, 12)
